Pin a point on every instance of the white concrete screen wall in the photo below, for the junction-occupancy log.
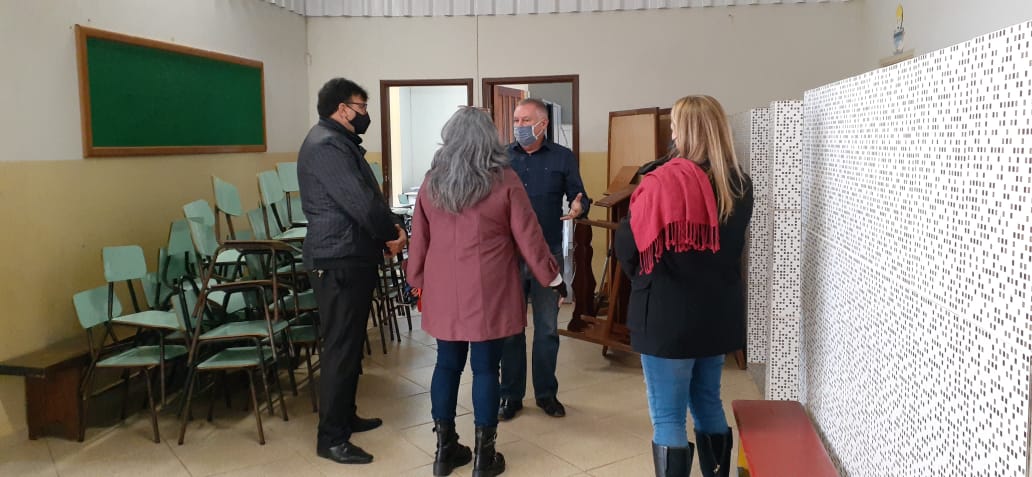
(917, 262)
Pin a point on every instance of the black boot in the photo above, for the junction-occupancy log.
(714, 453)
(450, 454)
(672, 461)
(487, 462)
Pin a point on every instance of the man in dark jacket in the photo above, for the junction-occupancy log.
(349, 226)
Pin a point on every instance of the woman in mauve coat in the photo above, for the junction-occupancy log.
(472, 224)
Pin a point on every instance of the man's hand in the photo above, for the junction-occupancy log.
(576, 208)
(396, 246)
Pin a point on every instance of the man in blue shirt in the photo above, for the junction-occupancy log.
(548, 171)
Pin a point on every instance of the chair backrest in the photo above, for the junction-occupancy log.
(227, 197)
(203, 238)
(184, 304)
(269, 187)
(273, 198)
(257, 219)
(179, 241)
(288, 176)
(377, 172)
(124, 263)
(91, 306)
(200, 210)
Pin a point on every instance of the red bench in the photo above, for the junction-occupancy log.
(777, 439)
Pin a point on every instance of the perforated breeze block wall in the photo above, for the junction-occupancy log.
(917, 262)
(784, 153)
(750, 130)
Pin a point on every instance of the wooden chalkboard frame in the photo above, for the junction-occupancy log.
(89, 150)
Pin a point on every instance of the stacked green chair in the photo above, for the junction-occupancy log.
(126, 264)
(205, 236)
(274, 204)
(95, 309)
(227, 204)
(292, 190)
(255, 346)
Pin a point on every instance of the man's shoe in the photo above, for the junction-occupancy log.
(508, 408)
(359, 424)
(346, 453)
(552, 407)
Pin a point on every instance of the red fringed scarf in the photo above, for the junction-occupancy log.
(674, 208)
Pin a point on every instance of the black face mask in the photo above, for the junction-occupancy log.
(361, 123)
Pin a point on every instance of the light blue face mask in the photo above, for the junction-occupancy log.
(525, 134)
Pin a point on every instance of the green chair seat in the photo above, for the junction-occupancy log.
(150, 319)
(228, 256)
(142, 356)
(299, 268)
(244, 329)
(237, 301)
(302, 334)
(292, 234)
(306, 301)
(233, 358)
(306, 318)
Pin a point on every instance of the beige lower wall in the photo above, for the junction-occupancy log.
(59, 214)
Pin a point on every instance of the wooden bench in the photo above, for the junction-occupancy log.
(53, 376)
(777, 439)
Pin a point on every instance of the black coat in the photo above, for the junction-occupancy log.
(692, 305)
(348, 218)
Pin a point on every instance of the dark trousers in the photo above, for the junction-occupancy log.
(345, 297)
(444, 387)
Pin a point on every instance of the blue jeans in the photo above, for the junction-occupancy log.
(544, 301)
(676, 386)
(444, 386)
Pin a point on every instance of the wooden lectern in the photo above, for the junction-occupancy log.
(611, 301)
(636, 137)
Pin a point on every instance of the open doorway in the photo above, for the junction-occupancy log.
(413, 113)
(560, 94)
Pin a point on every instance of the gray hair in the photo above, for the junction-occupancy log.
(468, 163)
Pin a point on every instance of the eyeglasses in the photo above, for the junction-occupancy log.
(362, 107)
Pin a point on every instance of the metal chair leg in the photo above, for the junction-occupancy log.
(150, 404)
(186, 406)
(254, 404)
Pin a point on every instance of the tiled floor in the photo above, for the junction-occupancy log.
(606, 431)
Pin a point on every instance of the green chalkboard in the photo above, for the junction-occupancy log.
(142, 97)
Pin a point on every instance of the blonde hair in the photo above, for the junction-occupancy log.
(703, 136)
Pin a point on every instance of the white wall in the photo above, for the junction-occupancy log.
(934, 24)
(424, 110)
(745, 56)
(39, 100)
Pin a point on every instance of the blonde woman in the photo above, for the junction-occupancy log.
(682, 249)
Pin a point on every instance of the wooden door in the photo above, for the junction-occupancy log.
(503, 103)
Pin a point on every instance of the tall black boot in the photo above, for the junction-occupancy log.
(672, 461)
(487, 462)
(450, 454)
(715, 453)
